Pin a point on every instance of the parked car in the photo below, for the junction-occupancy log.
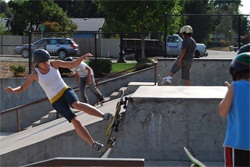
(174, 43)
(244, 48)
(61, 47)
(153, 47)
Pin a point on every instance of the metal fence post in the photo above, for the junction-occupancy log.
(18, 121)
(30, 54)
(165, 34)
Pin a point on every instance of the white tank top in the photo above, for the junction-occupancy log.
(52, 82)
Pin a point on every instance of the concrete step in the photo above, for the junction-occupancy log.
(47, 118)
(117, 94)
(133, 86)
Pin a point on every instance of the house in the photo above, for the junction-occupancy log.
(87, 27)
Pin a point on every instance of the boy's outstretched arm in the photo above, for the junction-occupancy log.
(24, 86)
(70, 64)
(226, 102)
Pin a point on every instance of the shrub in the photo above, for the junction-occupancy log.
(18, 70)
(101, 67)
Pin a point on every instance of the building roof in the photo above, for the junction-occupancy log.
(89, 24)
(84, 24)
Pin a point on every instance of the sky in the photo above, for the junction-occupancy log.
(245, 9)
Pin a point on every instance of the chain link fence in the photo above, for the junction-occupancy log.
(217, 32)
(227, 32)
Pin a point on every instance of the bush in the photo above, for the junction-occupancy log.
(144, 63)
(18, 70)
(101, 67)
(65, 72)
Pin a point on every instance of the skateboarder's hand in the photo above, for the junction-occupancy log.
(227, 84)
(8, 89)
(85, 57)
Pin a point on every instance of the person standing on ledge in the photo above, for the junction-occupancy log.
(185, 60)
(60, 95)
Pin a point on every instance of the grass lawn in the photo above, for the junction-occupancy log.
(118, 67)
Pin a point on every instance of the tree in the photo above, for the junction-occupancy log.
(23, 20)
(137, 16)
(203, 25)
(2, 27)
(228, 25)
(4, 8)
(79, 9)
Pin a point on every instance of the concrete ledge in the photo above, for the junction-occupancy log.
(191, 92)
(133, 86)
(67, 161)
(204, 72)
(167, 118)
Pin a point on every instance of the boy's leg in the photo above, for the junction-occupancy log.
(89, 109)
(174, 68)
(82, 131)
(186, 72)
(83, 84)
(95, 90)
(242, 158)
(187, 82)
(72, 100)
(84, 134)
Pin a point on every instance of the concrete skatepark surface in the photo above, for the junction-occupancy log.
(158, 124)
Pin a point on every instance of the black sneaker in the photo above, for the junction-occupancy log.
(97, 146)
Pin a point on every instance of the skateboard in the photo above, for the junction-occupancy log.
(117, 118)
(195, 162)
(162, 82)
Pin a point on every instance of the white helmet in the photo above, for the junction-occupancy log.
(187, 29)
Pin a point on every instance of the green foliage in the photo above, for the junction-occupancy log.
(18, 70)
(27, 15)
(118, 67)
(137, 16)
(100, 67)
(79, 9)
(2, 29)
(144, 63)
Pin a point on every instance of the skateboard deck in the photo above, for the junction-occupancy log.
(195, 162)
(162, 82)
(117, 118)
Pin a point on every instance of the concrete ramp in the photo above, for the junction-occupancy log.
(162, 120)
(54, 139)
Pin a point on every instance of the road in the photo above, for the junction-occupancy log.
(211, 54)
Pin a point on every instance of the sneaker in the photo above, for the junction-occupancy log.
(107, 116)
(97, 146)
(103, 100)
(167, 80)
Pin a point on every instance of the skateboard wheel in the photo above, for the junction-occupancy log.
(110, 145)
(194, 165)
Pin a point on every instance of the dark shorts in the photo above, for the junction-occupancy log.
(236, 157)
(63, 104)
(185, 68)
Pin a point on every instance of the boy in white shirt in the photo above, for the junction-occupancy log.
(85, 76)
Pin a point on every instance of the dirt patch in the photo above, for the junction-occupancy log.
(5, 68)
